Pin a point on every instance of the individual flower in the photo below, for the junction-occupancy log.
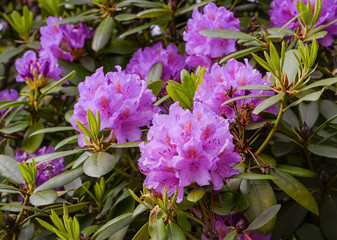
(64, 41)
(39, 70)
(8, 95)
(143, 60)
(204, 50)
(239, 222)
(282, 11)
(45, 170)
(185, 147)
(219, 82)
(123, 100)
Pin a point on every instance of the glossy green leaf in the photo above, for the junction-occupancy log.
(122, 46)
(241, 53)
(4, 105)
(295, 190)
(99, 164)
(320, 83)
(156, 87)
(8, 189)
(290, 66)
(89, 230)
(290, 118)
(323, 150)
(61, 179)
(223, 204)
(17, 206)
(328, 109)
(309, 112)
(127, 145)
(328, 216)
(51, 129)
(71, 139)
(155, 72)
(226, 34)
(297, 171)
(138, 29)
(181, 11)
(252, 176)
(231, 235)
(178, 95)
(264, 218)
(9, 53)
(309, 97)
(85, 16)
(261, 197)
(309, 232)
(267, 103)
(125, 17)
(196, 194)
(51, 156)
(174, 232)
(143, 233)
(15, 127)
(245, 97)
(9, 169)
(113, 226)
(103, 34)
(183, 222)
(43, 198)
(157, 229)
(154, 12)
(47, 89)
(255, 87)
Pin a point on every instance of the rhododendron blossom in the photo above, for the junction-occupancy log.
(218, 82)
(64, 41)
(8, 95)
(282, 11)
(37, 69)
(123, 100)
(204, 50)
(143, 60)
(45, 170)
(185, 147)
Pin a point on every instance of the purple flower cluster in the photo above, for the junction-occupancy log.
(234, 220)
(8, 95)
(204, 50)
(40, 70)
(219, 80)
(123, 100)
(64, 41)
(45, 170)
(185, 147)
(283, 11)
(143, 60)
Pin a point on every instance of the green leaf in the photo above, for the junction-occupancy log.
(46, 90)
(122, 47)
(323, 150)
(226, 34)
(245, 97)
(51, 156)
(89, 230)
(103, 34)
(140, 3)
(328, 109)
(85, 16)
(4, 105)
(155, 72)
(156, 87)
(51, 129)
(17, 206)
(127, 145)
(309, 97)
(241, 53)
(310, 231)
(125, 17)
(178, 95)
(9, 189)
(290, 118)
(174, 232)
(81, 72)
(61, 179)
(320, 83)
(267, 103)
(71, 139)
(253, 176)
(181, 11)
(264, 218)
(309, 112)
(143, 233)
(9, 169)
(290, 66)
(295, 190)
(328, 216)
(113, 226)
(183, 222)
(15, 127)
(196, 194)
(31, 144)
(318, 35)
(9, 53)
(223, 206)
(231, 235)
(138, 29)
(43, 198)
(99, 164)
(157, 229)
(261, 197)
(297, 171)
(154, 12)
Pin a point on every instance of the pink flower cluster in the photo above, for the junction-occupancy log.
(185, 147)
(45, 170)
(64, 41)
(123, 100)
(283, 11)
(204, 50)
(212, 91)
(143, 60)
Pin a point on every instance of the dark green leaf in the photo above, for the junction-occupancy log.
(51, 156)
(122, 46)
(51, 129)
(226, 34)
(296, 171)
(320, 83)
(267, 103)
(9, 53)
(309, 232)
(71, 139)
(328, 216)
(181, 11)
(231, 235)
(143, 233)
(156, 87)
(157, 229)
(309, 112)
(328, 109)
(81, 72)
(323, 150)
(103, 34)
(252, 176)
(8, 189)
(125, 17)
(99, 164)
(138, 29)
(295, 190)
(183, 222)
(174, 232)
(245, 97)
(309, 97)
(9, 169)
(43, 198)
(127, 145)
(154, 12)
(223, 206)
(15, 127)
(264, 218)
(255, 87)
(61, 179)
(241, 53)
(85, 16)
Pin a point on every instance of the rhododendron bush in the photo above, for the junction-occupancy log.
(168, 119)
